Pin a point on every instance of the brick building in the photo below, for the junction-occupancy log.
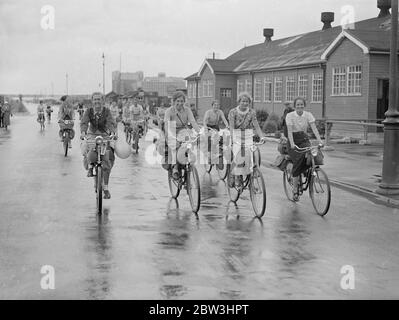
(341, 71)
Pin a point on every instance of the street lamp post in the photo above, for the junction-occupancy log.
(103, 74)
(390, 167)
(66, 79)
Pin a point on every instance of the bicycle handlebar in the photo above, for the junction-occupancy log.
(306, 149)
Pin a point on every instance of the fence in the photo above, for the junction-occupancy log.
(358, 129)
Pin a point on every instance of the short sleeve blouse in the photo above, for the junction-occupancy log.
(299, 123)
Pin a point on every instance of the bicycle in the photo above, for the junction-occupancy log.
(49, 115)
(128, 132)
(223, 134)
(313, 178)
(254, 181)
(66, 126)
(100, 145)
(188, 175)
(41, 121)
(137, 133)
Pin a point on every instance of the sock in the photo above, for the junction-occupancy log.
(105, 187)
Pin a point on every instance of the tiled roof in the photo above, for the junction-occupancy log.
(224, 66)
(306, 48)
(192, 77)
(303, 49)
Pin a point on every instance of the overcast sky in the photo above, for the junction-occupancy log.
(172, 36)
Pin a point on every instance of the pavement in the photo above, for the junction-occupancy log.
(352, 167)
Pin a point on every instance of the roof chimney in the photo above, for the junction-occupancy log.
(327, 18)
(384, 6)
(268, 34)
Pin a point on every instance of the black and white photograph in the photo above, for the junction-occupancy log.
(191, 150)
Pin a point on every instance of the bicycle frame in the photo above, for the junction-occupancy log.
(311, 152)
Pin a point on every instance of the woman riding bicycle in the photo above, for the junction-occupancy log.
(177, 117)
(212, 119)
(97, 121)
(297, 125)
(242, 120)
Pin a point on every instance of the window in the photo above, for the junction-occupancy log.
(267, 90)
(355, 80)
(278, 89)
(199, 90)
(225, 93)
(248, 87)
(303, 86)
(210, 88)
(190, 90)
(290, 89)
(205, 88)
(240, 87)
(317, 87)
(339, 81)
(258, 90)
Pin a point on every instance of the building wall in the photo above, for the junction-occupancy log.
(347, 107)
(278, 107)
(379, 69)
(204, 103)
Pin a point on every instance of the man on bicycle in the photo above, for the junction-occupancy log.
(40, 112)
(81, 110)
(49, 110)
(137, 114)
(98, 121)
(66, 112)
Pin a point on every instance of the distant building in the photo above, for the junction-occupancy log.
(165, 86)
(123, 82)
(342, 72)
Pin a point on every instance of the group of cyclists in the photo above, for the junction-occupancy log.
(99, 119)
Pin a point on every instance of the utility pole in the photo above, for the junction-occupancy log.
(66, 76)
(390, 166)
(103, 74)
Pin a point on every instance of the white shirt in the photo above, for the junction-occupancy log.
(299, 123)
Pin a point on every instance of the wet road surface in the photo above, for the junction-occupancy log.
(147, 247)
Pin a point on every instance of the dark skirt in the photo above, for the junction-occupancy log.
(301, 139)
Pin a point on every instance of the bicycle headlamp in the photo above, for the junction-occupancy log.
(99, 140)
(314, 152)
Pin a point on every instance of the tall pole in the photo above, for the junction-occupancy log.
(103, 74)
(390, 166)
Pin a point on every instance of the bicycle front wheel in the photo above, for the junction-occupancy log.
(99, 189)
(222, 172)
(173, 185)
(208, 167)
(288, 185)
(193, 188)
(65, 147)
(320, 191)
(234, 194)
(257, 191)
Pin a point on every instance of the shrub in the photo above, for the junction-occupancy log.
(261, 115)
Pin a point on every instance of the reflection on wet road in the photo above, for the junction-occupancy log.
(148, 246)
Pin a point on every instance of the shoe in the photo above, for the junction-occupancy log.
(90, 173)
(70, 145)
(107, 195)
(295, 197)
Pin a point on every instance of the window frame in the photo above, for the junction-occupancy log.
(306, 86)
(320, 78)
(291, 80)
(280, 81)
(268, 82)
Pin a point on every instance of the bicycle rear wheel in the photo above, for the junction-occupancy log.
(173, 185)
(257, 191)
(320, 191)
(288, 185)
(99, 189)
(193, 188)
(66, 144)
